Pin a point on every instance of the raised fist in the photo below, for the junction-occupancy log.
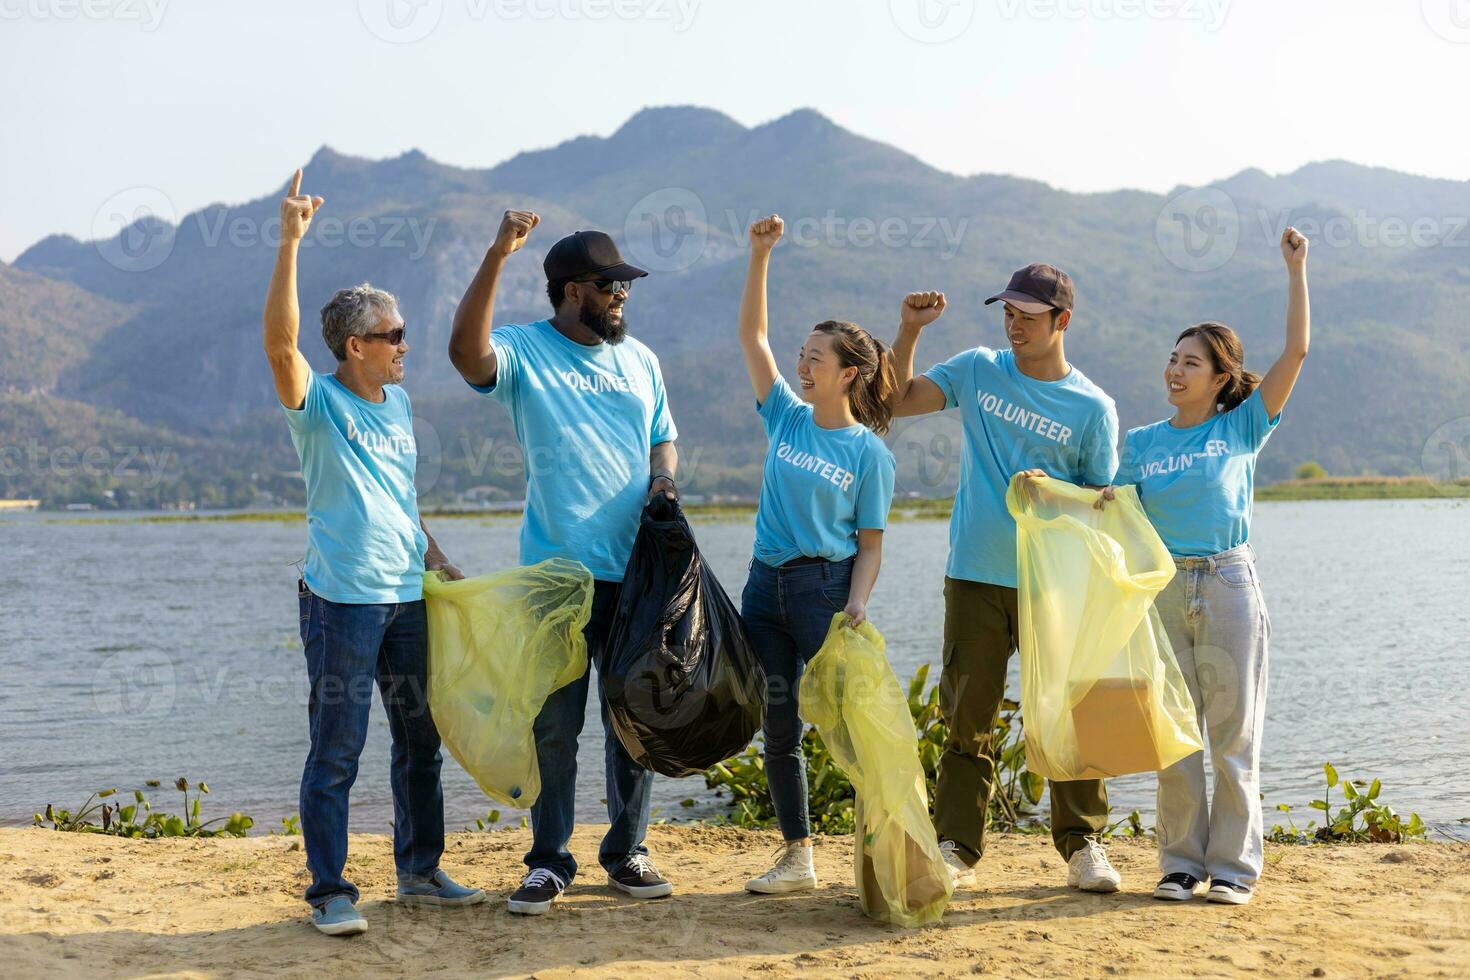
(921, 309)
(515, 227)
(1294, 248)
(765, 233)
(297, 210)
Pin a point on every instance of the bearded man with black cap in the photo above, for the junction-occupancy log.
(1024, 410)
(587, 402)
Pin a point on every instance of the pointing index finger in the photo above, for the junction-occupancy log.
(296, 183)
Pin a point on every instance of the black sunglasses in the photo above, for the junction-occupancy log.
(609, 285)
(393, 337)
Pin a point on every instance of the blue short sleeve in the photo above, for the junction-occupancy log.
(1248, 423)
(507, 367)
(950, 376)
(875, 496)
(1100, 452)
(1128, 467)
(661, 427)
(780, 402)
(312, 411)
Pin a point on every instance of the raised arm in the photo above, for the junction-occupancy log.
(915, 396)
(282, 315)
(1276, 386)
(469, 343)
(759, 362)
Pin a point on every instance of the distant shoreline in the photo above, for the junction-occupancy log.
(1322, 488)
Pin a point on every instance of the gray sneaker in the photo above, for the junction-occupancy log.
(437, 889)
(338, 917)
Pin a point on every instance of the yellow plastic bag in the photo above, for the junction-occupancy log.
(1101, 692)
(849, 692)
(498, 646)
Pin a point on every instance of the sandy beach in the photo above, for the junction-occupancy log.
(86, 905)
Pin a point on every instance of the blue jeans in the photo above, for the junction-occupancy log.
(787, 613)
(349, 648)
(557, 728)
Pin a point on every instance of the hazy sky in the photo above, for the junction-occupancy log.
(213, 101)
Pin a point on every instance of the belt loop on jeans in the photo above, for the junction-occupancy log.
(1212, 563)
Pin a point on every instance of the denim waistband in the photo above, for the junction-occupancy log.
(815, 569)
(1239, 555)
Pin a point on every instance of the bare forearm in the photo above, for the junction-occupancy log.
(663, 460)
(469, 343)
(903, 367)
(753, 316)
(1298, 315)
(432, 551)
(865, 572)
(282, 314)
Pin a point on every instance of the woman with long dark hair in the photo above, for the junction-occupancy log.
(825, 493)
(1195, 474)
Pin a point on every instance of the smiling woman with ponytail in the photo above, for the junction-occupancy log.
(1195, 475)
(825, 493)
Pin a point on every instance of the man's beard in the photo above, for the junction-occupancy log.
(611, 328)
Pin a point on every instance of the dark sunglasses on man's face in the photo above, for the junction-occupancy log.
(613, 286)
(393, 337)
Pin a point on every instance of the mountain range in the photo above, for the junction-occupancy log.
(151, 339)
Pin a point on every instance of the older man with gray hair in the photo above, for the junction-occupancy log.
(361, 594)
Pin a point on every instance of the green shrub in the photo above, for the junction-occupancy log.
(830, 795)
(1361, 820)
(137, 819)
(1311, 471)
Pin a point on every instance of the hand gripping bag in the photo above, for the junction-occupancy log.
(849, 692)
(684, 686)
(498, 646)
(1101, 692)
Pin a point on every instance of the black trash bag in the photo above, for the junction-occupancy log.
(684, 686)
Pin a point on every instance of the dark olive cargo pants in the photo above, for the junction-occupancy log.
(980, 633)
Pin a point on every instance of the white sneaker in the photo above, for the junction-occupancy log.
(961, 872)
(794, 872)
(1090, 871)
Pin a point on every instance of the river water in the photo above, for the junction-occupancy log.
(136, 651)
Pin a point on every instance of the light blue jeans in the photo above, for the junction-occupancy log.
(1217, 624)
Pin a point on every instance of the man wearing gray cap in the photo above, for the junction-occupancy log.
(588, 406)
(1024, 410)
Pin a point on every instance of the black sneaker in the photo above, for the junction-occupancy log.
(1228, 892)
(638, 877)
(538, 890)
(1177, 887)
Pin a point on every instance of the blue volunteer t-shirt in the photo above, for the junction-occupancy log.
(1069, 428)
(586, 418)
(820, 485)
(363, 539)
(1197, 484)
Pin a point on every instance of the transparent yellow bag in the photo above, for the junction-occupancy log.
(498, 646)
(1101, 692)
(849, 692)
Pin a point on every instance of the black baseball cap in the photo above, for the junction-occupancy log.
(584, 254)
(1037, 288)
